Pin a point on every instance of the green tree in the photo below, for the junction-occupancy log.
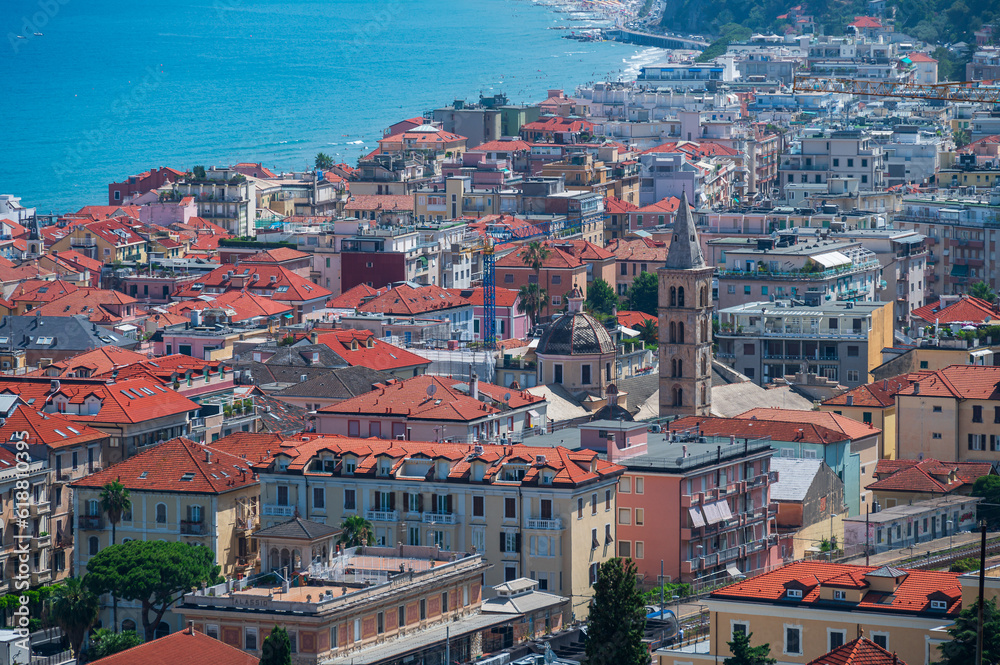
(74, 608)
(649, 332)
(983, 291)
(988, 487)
(105, 642)
(531, 300)
(324, 161)
(617, 617)
(534, 256)
(356, 529)
(601, 298)
(961, 650)
(115, 502)
(277, 648)
(744, 654)
(199, 172)
(644, 294)
(155, 573)
(961, 137)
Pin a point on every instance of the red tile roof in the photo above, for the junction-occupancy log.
(131, 400)
(187, 646)
(833, 421)
(558, 124)
(912, 596)
(695, 149)
(409, 398)
(958, 381)
(669, 204)
(585, 250)
(753, 429)
(243, 305)
(41, 290)
(570, 467)
(353, 297)
(634, 320)
(639, 249)
(556, 259)
(98, 361)
(968, 310)
(503, 146)
(376, 202)
(177, 465)
(613, 206)
(918, 56)
(879, 394)
(362, 348)
(48, 429)
(861, 651)
(865, 22)
(927, 476)
(273, 281)
(406, 300)
(276, 255)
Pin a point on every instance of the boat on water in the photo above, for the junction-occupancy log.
(21, 37)
(38, 34)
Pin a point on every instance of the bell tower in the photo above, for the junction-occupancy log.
(685, 322)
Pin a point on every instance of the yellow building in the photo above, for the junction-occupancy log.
(806, 609)
(180, 491)
(547, 513)
(108, 241)
(950, 414)
(875, 404)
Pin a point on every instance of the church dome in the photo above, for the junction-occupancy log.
(574, 334)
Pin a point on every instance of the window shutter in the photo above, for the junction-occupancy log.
(392, 501)
(420, 503)
(503, 542)
(970, 442)
(378, 500)
(450, 503)
(517, 543)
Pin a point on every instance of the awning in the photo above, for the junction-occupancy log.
(911, 240)
(288, 316)
(696, 519)
(831, 259)
(733, 570)
(960, 271)
(724, 509)
(533, 413)
(712, 513)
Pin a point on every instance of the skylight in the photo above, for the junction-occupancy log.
(72, 430)
(59, 432)
(123, 392)
(187, 477)
(45, 340)
(282, 289)
(143, 475)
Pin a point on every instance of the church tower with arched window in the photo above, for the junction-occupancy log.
(685, 327)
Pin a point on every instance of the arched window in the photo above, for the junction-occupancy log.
(704, 395)
(673, 297)
(678, 396)
(680, 332)
(704, 296)
(704, 331)
(704, 365)
(673, 332)
(161, 513)
(128, 624)
(162, 630)
(680, 296)
(93, 545)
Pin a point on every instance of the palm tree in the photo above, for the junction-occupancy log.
(531, 299)
(74, 608)
(649, 332)
(356, 530)
(535, 255)
(115, 502)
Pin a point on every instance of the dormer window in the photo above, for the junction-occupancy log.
(385, 467)
(939, 605)
(793, 593)
(547, 478)
(839, 594)
(349, 466)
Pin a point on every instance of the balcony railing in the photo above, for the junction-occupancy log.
(440, 518)
(192, 528)
(382, 515)
(549, 524)
(41, 577)
(39, 542)
(275, 510)
(246, 523)
(91, 521)
(40, 508)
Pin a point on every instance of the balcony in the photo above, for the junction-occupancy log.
(93, 522)
(382, 515)
(730, 554)
(274, 510)
(246, 523)
(40, 508)
(41, 542)
(191, 528)
(440, 518)
(545, 525)
(41, 577)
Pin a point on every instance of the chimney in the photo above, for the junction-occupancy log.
(474, 386)
(916, 388)
(190, 630)
(208, 456)
(850, 400)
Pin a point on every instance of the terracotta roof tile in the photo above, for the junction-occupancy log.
(405, 300)
(634, 320)
(958, 381)
(504, 297)
(361, 347)
(967, 310)
(833, 421)
(928, 475)
(860, 651)
(353, 297)
(48, 429)
(188, 647)
(879, 394)
(745, 428)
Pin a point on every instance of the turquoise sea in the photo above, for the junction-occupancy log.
(112, 88)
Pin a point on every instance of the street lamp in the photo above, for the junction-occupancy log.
(951, 534)
(832, 515)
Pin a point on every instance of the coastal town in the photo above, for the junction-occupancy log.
(694, 366)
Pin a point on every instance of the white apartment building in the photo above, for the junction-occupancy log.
(821, 155)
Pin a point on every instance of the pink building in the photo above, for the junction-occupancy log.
(511, 324)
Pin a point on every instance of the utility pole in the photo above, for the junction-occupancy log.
(982, 593)
(867, 532)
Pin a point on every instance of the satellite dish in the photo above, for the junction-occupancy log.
(431, 389)
(506, 397)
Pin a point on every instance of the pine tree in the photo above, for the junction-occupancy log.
(617, 618)
(961, 650)
(277, 648)
(744, 654)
